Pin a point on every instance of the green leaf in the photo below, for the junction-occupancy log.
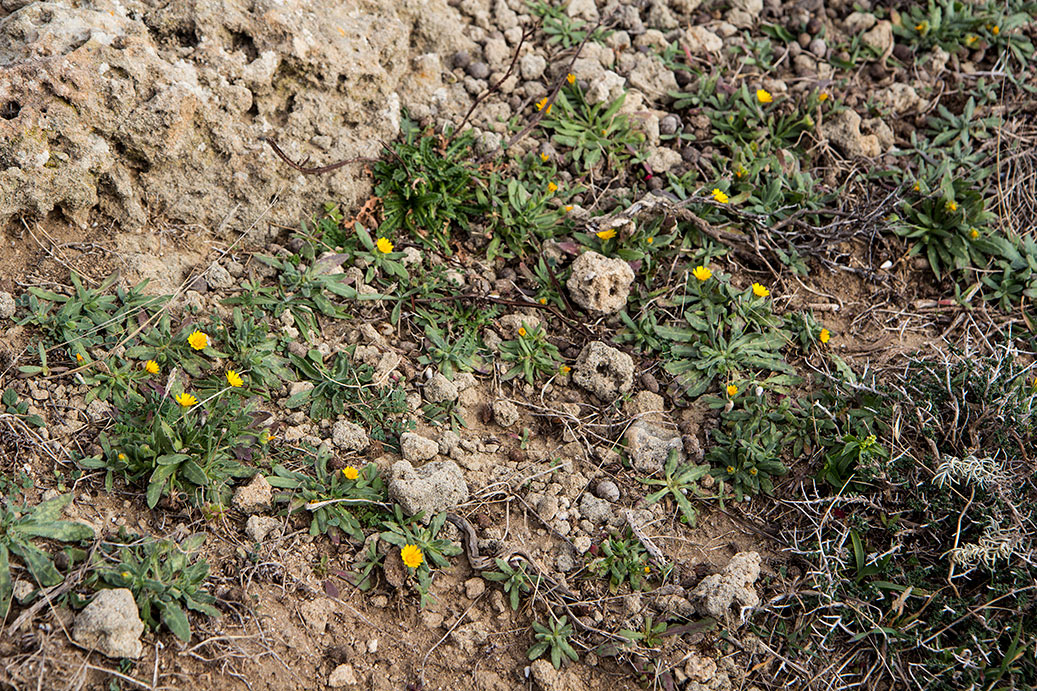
(175, 620)
(6, 587)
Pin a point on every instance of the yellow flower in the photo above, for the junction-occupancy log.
(764, 96)
(648, 569)
(996, 30)
(730, 470)
(542, 301)
(198, 340)
(234, 379)
(79, 357)
(384, 245)
(752, 471)
(920, 27)
(970, 39)
(571, 78)
(824, 336)
(544, 157)
(918, 187)
(702, 273)
(823, 96)
(973, 233)
(650, 240)
(732, 390)
(951, 205)
(542, 103)
(186, 399)
(125, 574)
(266, 437)
(551, 187)
(412, 556)
(121, 456)
(522, 331)
(606, 234)
(760, 291)
(565, 369)
(720, 196)
(151, 367)
(350, 472)
(567, 209)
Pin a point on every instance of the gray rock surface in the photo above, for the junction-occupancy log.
(603, 370)
(432, 488)
(844, 131)
(715, 595)
(254, 497)
(349, 436)
(505, 413)
(258, 528)
(439, 389)
(159, 108)
(6, 305)
(417, 448)
(111, 625)
(343, 676)
(599, 283)
(650, 445)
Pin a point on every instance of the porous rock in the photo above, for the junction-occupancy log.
(111, 625)
(505, 413)
(342, 676)
(416, 447)
(432, 488)
(439, 389)
(258, 528)
(599, 283)
(844, 130)
(701, 40)
(603, 370)
(146, 109)
(6, 305)
(349, 436)
(650, 445)
(255, 496)
(716, 594)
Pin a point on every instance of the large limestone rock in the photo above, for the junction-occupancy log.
(148, 109)
(111, 625)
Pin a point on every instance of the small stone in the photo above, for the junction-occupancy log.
(259, 527)
(715, 595)
(432, 620)
(669, 124)
(564, 562)
(22, 588)
(254, 497)
(650, 445)
(474, 587)
(597, 511)
(439, 389)
(603, 370)
(607, 490)
(700, 669)
(434, 487)
(315, 614)
(111, 625)
(417, 448)
(844, 130)
(701, 40)
(6, 305)
(818, 47)
(341, 676)
(349, 436)
(582, 544)
(600, 284)
(662, 159)
(218, 277)
(532, 66)
(858, 22)
(505, 413)
(880, 37)
(461, 59)
(479, 70)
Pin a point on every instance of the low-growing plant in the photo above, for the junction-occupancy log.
(165, 578)
(428, 187)
(621, 560)
(592, 133)
(531, 354)
(348, 388)
(680, 481)
(332, 497)
(514, 579)
(553, 638)
(403, 531)
(20, 409)
(179, 447)
(19, 526)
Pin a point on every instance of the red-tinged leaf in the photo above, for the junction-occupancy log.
(331, 589)
(569, 247)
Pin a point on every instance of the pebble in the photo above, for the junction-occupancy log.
(479, 70)
(461, 59)
(818, 47)
(607, 490)
(669, 124)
